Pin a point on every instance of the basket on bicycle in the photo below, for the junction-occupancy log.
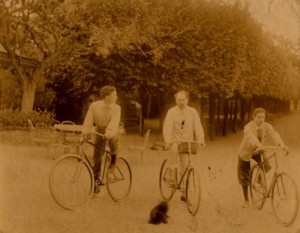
(183, 147)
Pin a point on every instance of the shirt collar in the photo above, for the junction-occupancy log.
(106, 106)
(257, 127)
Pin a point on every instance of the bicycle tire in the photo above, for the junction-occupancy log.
(119, 187)
(193, 191)
(258, 187)
(71, 181)
(166, 189)
(284, 199)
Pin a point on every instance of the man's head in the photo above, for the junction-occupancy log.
(259, 115)
(109, 94)
(182, 99)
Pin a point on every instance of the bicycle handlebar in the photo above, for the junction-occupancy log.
(99, 134)
(187, 141)
(265, 148)
(82, 139)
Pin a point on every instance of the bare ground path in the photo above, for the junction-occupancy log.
(27, 207)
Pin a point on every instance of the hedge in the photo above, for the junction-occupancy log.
(16, 120)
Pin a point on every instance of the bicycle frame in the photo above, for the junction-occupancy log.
(73, 176)
(261, 164)
(189, 165)
(105, 155)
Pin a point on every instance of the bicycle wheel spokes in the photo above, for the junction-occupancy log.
(167, 185)
(119, 181)
(258, 187)
(284, 199)
(193, 191)
(71, 182)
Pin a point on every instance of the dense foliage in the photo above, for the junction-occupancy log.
(152, 46)
(15, 119)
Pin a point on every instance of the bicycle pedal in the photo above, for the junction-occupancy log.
(97, 189)
(98, 182)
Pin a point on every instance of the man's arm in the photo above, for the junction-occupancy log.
(88, 121)
(113, 125)
(274, 135)
(167, 128)
(251, 137)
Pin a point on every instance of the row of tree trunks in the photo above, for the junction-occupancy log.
(233, 113)
(226, 115)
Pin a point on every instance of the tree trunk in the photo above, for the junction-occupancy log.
(243, 112)
(162, 110)
(219, 108)
(235, 112)
(231, 106)
(141, 123)
(29, 89)
(212, 122)
(201, 113)
(149, 105)
(225, 119)
(249, 109)
(143, 101)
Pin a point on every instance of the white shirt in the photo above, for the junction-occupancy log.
(103, 116)
(181, 124)
(250, 141)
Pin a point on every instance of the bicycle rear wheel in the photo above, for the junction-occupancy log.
(119, 184)
(71, 181)
(193, 191)
(167, 186)
(258, 187)
(284, 199)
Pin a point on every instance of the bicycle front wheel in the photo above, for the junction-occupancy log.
(71, 181)
(119, 182)
(258, 187)
(193, 191)
(167, 185)
(284, 199)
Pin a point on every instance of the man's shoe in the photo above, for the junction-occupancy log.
(98, 181)
(111, 166)
(110, 175)
(268, 167)
(97, 188)
(246, 204)
(184, 199)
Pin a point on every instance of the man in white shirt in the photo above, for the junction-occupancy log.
(181, 123)
(105, 114)
(255, 133)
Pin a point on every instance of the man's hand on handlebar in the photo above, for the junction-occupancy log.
(82, 138)
(284, 147)
(260, 149)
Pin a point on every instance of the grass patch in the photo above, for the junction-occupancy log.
(15, 137)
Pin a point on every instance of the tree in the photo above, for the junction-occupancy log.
(37, 30)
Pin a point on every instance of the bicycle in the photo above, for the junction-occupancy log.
(282, 191)
(168, 185)
(72, 180)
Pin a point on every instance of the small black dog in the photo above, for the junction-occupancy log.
(159, 213)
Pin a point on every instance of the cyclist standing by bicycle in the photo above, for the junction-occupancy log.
(255, 133)
(181, 123)
(105, 114)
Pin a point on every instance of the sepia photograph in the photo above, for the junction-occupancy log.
(150, 116)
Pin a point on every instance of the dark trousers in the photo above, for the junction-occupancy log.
(98, 152)
(244, 169)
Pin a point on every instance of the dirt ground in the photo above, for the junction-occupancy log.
(26, 205)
